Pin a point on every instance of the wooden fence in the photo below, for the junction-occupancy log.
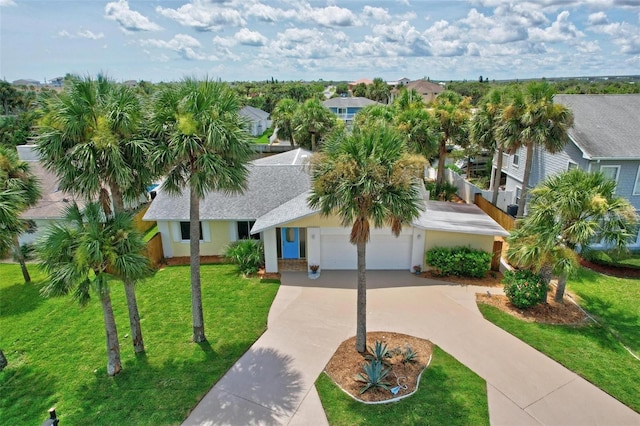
(154, 250)
(506, 221)
(141, 225)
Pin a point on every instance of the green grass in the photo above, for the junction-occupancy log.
(592, 351)
(57, 357)
(630, 260)
(263, 139)
(150, 233)
(449, 394)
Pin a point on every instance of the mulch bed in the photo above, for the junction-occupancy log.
(615, 271)
(346, 362)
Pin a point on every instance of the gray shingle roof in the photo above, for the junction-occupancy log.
(352, 102)
(458, 217)
(296, 208)
(297, 156)
(268, 187)
(53, 202)
(253, 114)
(606, 126)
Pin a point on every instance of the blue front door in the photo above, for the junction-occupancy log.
(290, 243)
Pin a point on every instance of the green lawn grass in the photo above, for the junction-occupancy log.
(57, 356)
(449, 394)
(592, 351)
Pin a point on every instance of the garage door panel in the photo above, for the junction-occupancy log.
(383, 252)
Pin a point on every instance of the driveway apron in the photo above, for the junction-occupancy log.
(272, 383)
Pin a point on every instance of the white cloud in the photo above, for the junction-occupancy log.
(128, 19)
(250, 38)
(377, 13)
(204, 15)
(7, 3)
(599, 18)
(185, 45)
(561, 30)
(623, 34)
(330, 16)
(268, 13)
(81, 34)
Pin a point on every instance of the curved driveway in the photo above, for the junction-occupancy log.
(272, 384)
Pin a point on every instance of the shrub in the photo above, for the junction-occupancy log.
(459, 261)
(378, 352)
(524, 288)
(373, 376)
(444, 192)
(247, 254)
(409, 355)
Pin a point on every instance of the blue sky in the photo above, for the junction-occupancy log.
(158, 40)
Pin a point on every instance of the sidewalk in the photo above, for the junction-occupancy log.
(272, 384)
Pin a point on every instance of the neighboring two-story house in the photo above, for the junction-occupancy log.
(605, 138)
(345, 108)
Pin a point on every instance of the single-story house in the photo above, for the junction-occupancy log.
(345, 108)
(427, 89)
(274, 208)
(258, 120)
(605, 137)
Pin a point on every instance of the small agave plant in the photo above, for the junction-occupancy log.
(378, 352)
(373, 376)
(409, 355)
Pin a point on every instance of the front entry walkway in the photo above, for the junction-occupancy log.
(272, 384)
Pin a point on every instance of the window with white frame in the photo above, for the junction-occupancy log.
(610, 172)
(516, 158)
(185, 228)
(518, 194)
(571, 165)
(244, 230)
(636, 187)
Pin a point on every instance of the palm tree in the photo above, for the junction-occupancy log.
(282, 117)
(379, 90)
(420, 128)
(84, 252)
(11, 205)
(568, 210)
(372, 113)
(16, 176)
(452, 112)
(202, 145)
(532, 119)
(367, 178)
(483, 132)
(91, 138)
(312, 121)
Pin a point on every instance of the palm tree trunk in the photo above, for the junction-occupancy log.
(497, 176)
(562, 283)
(196, 290)
(313, 142)
(129, 285)
(525, 180)
(134, 316)
(20, 259)
(361, 315)
(442, 157)
(113, 346)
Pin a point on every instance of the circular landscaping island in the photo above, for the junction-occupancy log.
(407, 358)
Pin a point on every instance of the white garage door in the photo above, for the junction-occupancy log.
(384, 251)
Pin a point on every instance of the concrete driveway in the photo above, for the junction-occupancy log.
(272, 384)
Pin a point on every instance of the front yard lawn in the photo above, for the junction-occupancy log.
(449, 394)
(592, 351)
(57, 357)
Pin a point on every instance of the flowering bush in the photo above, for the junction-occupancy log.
(524, 288)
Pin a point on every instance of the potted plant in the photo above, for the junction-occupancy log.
(314, 268)
(417, 269)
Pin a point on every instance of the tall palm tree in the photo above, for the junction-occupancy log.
(16, 176)
(312, 121)
(483, 132)
(568, 210)
(452, 112)
(379, 90)
(203, 146)
(11, 205)
(420, 128)
(91, 138)
(367, 178)
(282, 117)
(85, 252)
(532, 119)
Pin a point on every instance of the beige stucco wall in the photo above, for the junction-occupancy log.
(453, 239)
(215, 241)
